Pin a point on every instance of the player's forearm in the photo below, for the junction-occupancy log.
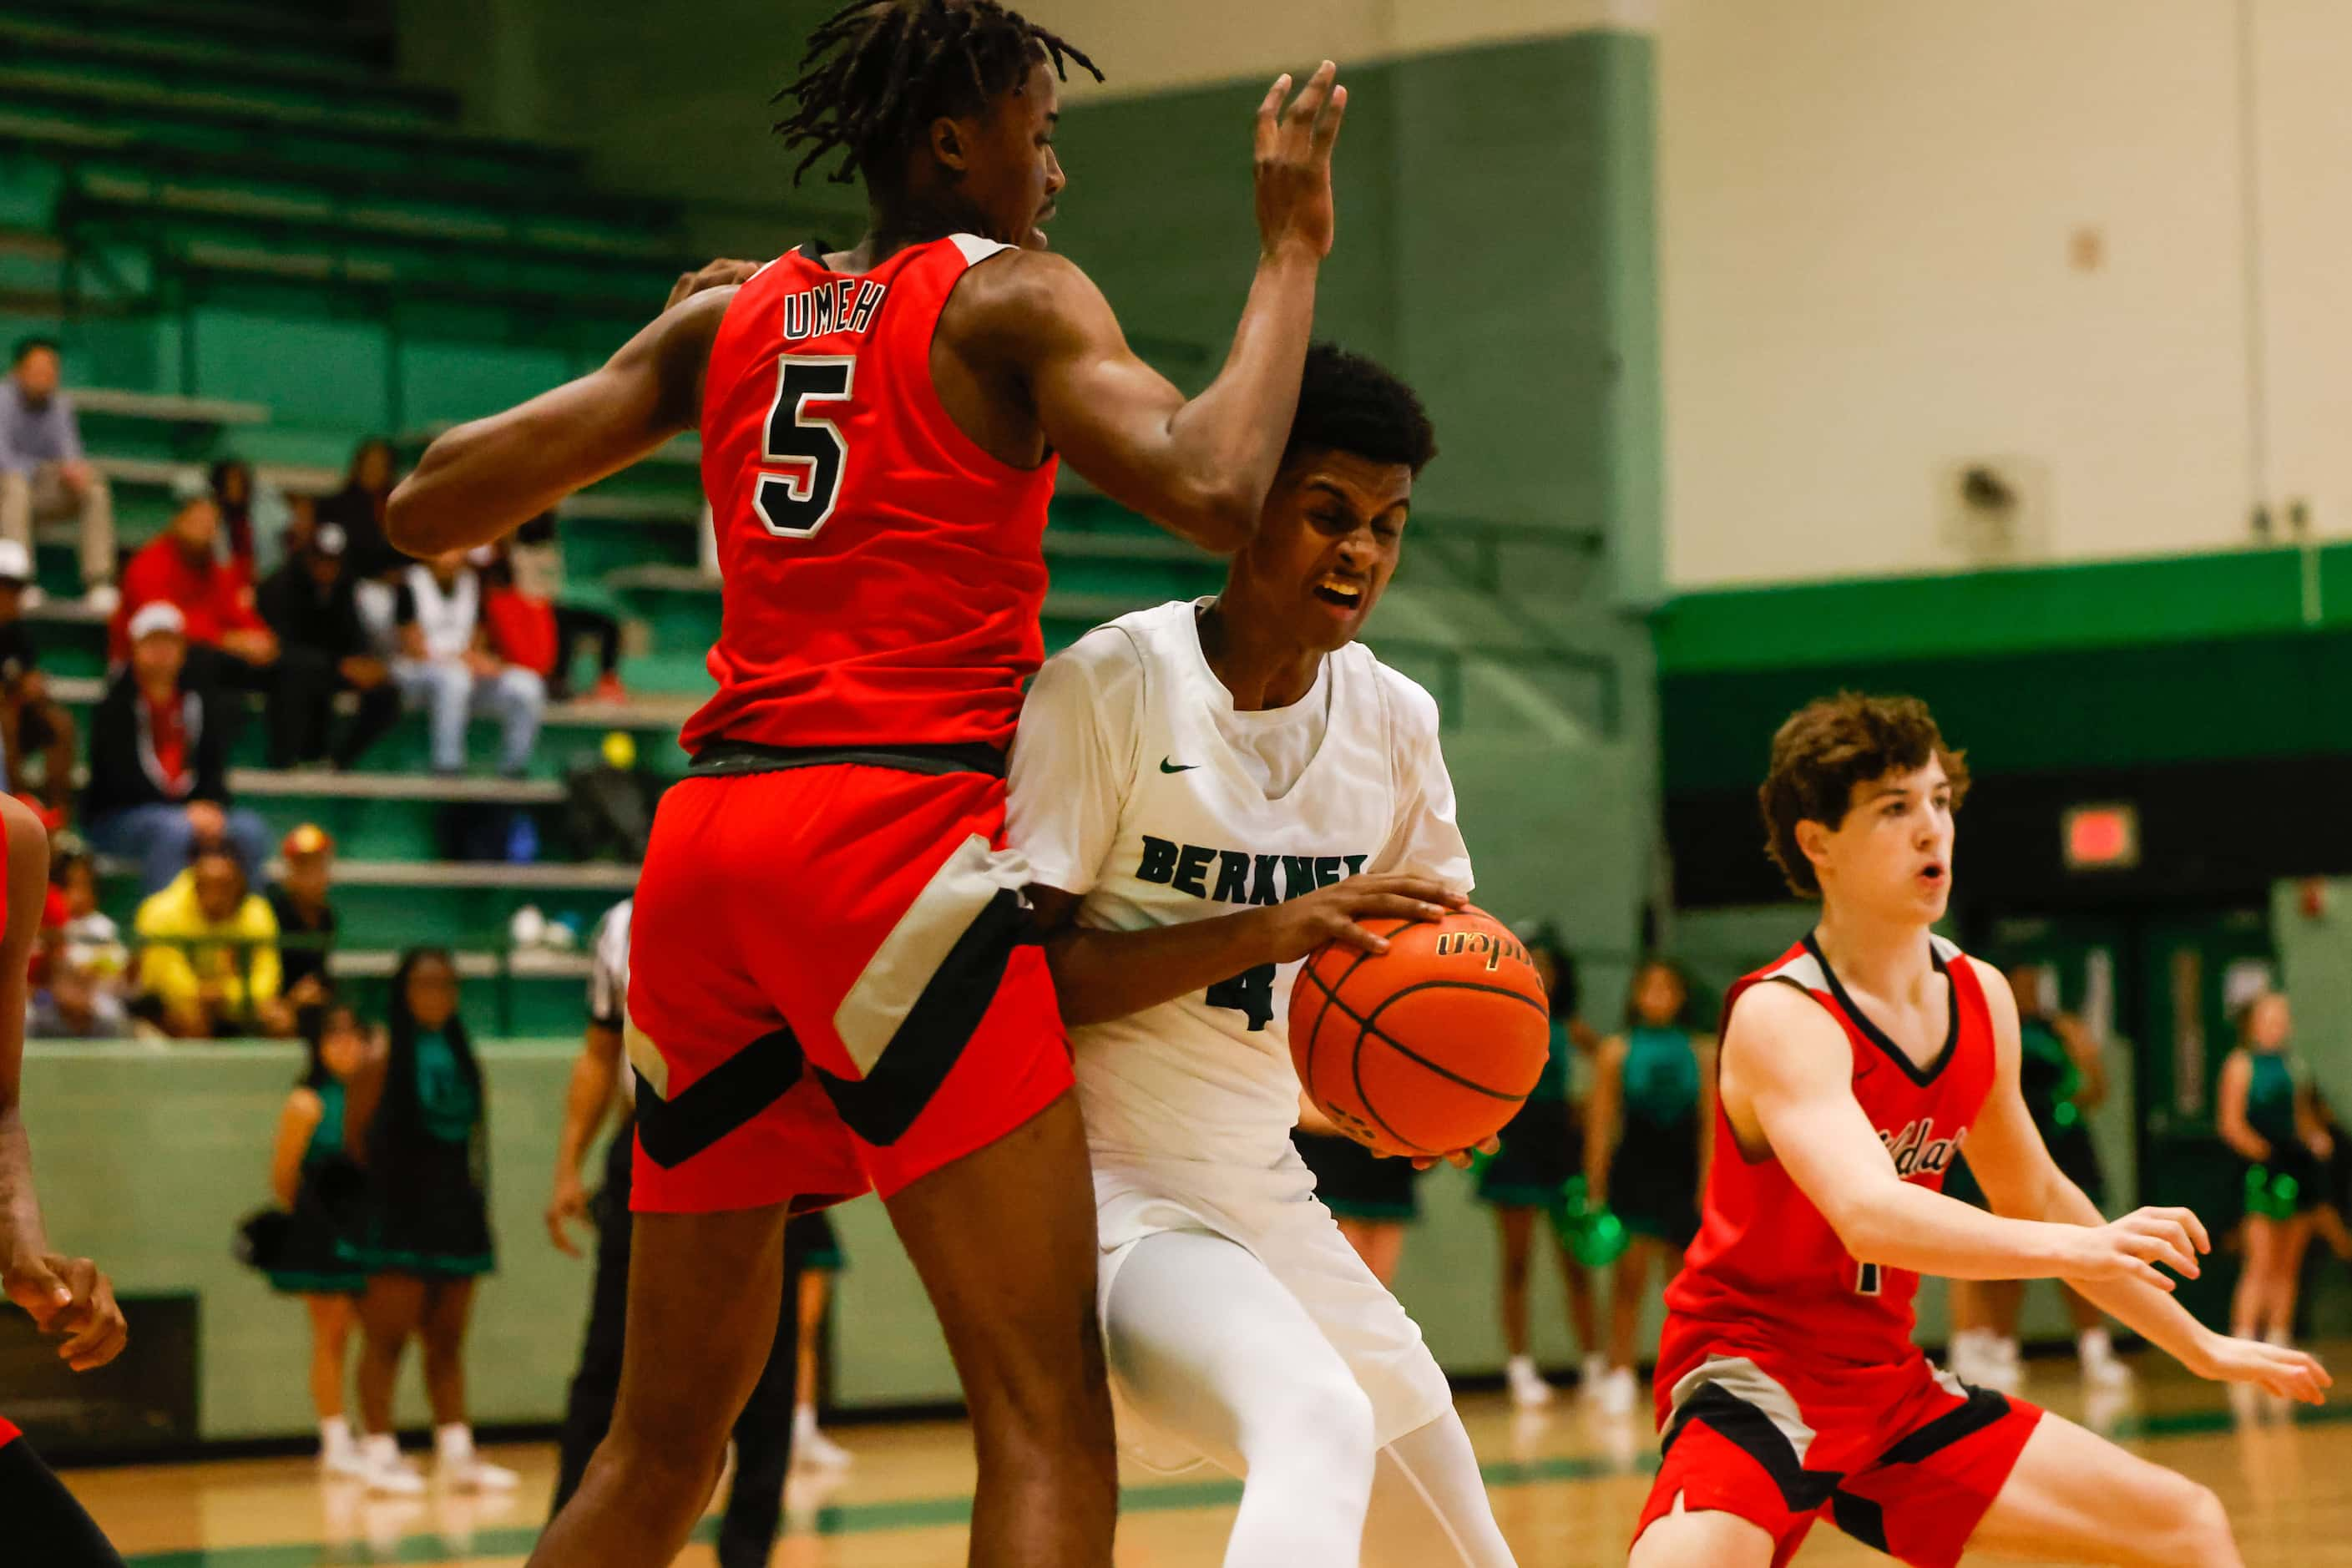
(1898, 1226)
(2156, 1316)
(480, 481)
(1239, 425)
(21, 1231)
(584, 1102)
(1104, 974)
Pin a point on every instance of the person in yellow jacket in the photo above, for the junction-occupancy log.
(208, 953)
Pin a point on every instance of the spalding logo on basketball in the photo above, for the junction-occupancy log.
(1432, 1045)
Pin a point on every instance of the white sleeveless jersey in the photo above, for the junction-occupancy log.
(1126, 791)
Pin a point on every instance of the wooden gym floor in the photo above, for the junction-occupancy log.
(1567, 1485)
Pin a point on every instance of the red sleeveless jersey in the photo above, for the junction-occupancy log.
(1767, 1271)
(882, 573)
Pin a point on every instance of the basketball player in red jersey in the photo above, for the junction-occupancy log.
(1851, 1070)
(67, 1296)
(831, 988)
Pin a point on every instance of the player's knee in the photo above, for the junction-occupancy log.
(2200, 1531)
(1328, 1417)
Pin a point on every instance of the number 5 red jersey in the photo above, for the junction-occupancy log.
(882, 573)
(1767, 1270)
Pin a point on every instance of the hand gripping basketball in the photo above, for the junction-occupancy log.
(1428, 1047)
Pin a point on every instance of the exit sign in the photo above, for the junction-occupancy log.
(2102, 838)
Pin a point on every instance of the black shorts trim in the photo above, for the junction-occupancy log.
(732, 759)
(882, 1105)
(1983, 1409)
(1742, 1423)
(672, 1131)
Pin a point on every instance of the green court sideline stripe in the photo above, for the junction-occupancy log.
(924, 1513)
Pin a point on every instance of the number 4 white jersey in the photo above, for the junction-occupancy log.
(1136, 785)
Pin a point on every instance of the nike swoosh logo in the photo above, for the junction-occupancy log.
(1168, 767)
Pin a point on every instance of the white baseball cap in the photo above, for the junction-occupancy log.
(158, 616)
(15, 564)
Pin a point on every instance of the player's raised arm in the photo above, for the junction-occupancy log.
(1788, 1076)
(1201, 467)
(2022, 1181)
(481, 480)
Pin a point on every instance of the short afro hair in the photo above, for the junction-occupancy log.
(1831, 744)
(1349, 404)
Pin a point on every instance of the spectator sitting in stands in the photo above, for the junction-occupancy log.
(32, 724)
(305, 921)
(255, 516)
(359, 509)
(208, 958)
(158, 767)
(312, 604)
(446, 667)
(230, 646)
(533, 563)
(44, 474)
(77, 1005)
(88, 938)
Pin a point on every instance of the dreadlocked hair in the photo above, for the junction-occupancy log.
(876, 72)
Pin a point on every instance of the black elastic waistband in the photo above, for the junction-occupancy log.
(728, 759)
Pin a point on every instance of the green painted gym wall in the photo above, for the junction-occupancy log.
(2236, 654)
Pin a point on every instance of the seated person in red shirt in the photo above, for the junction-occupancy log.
(230, 646)
(158, 768)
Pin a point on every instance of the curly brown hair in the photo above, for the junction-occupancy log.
(1831, 744)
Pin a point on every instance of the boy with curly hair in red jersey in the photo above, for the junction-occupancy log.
(1851, 1068)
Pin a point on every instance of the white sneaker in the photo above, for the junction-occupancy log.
(103, 600)
(1617, 1393)
(385, 1472)
(1590, 1376)
(2001, 1368)
(473, 1473)
(811, 1449)
(1528, 1389)
(2101, 1366)
(343, 1463)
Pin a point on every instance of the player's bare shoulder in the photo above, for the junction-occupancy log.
(1008, 304)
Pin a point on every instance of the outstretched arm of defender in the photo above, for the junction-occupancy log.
(1201, 467)
(483, 479)
(1787, 1081)
(2022, 1181)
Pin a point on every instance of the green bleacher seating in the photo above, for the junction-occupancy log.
(61, 51)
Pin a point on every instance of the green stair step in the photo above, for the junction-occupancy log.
(205, 121)
(264, 34)
(132, 69)
(221, 64)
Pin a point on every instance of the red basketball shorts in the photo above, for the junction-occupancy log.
(1903, 1458)
(830, 988)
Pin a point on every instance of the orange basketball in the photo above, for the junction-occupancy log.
(1432, 1045)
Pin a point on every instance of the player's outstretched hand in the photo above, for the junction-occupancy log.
(715, 274)
(69, 1297)
(2132, 1246)
(1330, 914)
(1293, 161)
(2289, 1374)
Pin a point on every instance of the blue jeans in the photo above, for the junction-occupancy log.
(450, 693)
(160, 838)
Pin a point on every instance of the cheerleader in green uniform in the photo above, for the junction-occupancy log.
(1646, 1151)
(2268, 1115)
(1543, 1150)
(313, 1175)
(427, 1236)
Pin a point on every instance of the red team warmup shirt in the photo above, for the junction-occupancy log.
(828, 890)
(884, 575)
(1788, 1385)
